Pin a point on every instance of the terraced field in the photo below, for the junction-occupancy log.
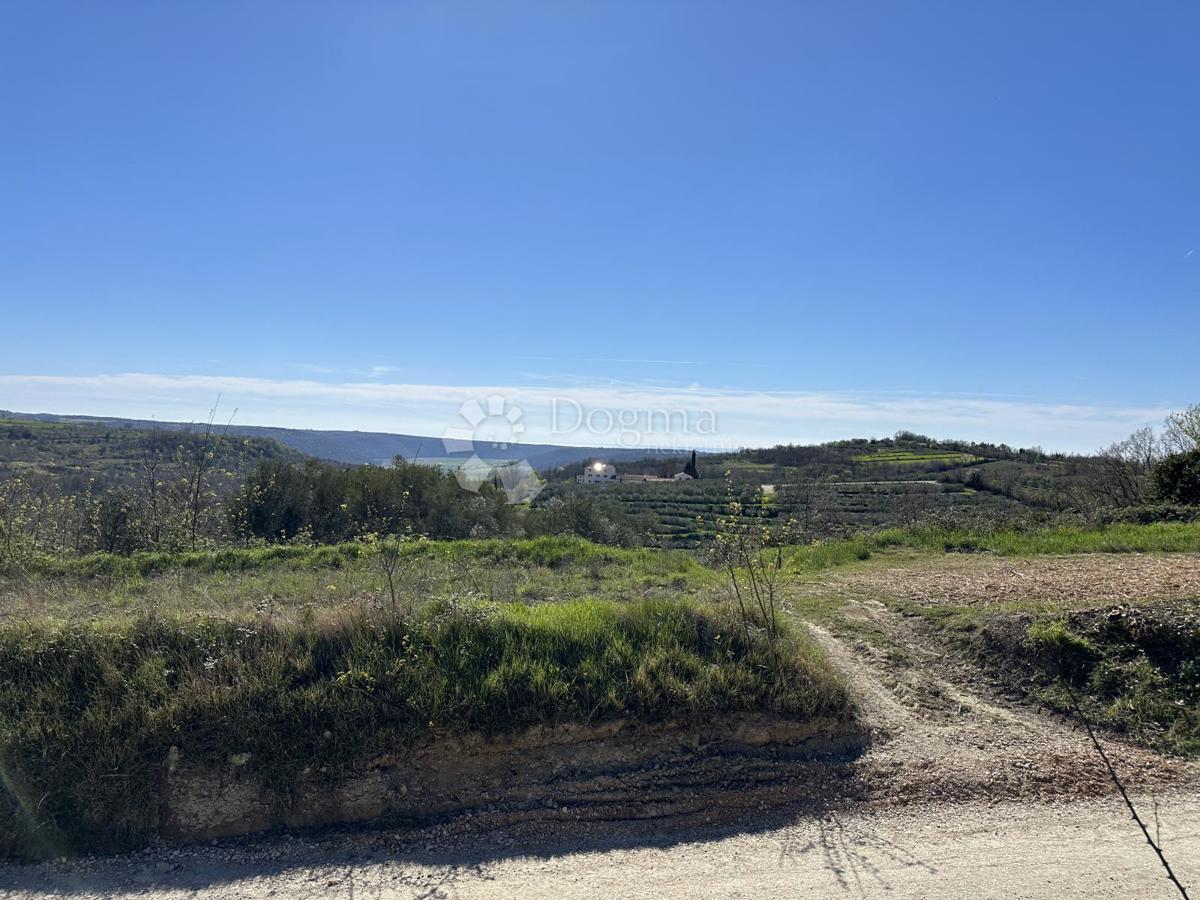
(687, 512)
(915, 457)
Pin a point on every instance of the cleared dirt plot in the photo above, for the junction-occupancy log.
(1068, 581)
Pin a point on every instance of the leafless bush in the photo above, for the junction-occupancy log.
(1182, 430)
(750, 550)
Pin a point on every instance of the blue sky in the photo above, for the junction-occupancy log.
(816, 220)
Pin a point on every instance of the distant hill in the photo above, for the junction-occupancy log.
(82, 453)
(831, 488)
(843, 486)
(379, 448)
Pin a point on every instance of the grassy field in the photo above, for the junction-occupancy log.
(298, 657)
(290, 579)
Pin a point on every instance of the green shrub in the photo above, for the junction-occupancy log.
(1130, 669)
(1149, 513)
(1176, 479)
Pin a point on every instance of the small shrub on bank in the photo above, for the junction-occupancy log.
(1063, 650)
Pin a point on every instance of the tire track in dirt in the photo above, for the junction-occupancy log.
(935, 738)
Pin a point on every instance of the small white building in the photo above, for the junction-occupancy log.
(598, 473)
(606, 473)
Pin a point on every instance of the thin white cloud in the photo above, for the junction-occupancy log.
(315, 369)
(609, 359)
(380, 371)
(680, 416)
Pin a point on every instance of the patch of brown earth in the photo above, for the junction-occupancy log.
(980, 580)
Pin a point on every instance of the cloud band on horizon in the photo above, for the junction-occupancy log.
(741, 418)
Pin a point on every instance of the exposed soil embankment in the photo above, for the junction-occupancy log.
(614, 770)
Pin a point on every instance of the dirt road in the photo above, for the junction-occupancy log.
(1070, 849)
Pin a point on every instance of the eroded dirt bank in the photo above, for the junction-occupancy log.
(614, 770)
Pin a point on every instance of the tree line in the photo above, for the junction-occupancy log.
(178, 493)
(323, 502)
(188, 491)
